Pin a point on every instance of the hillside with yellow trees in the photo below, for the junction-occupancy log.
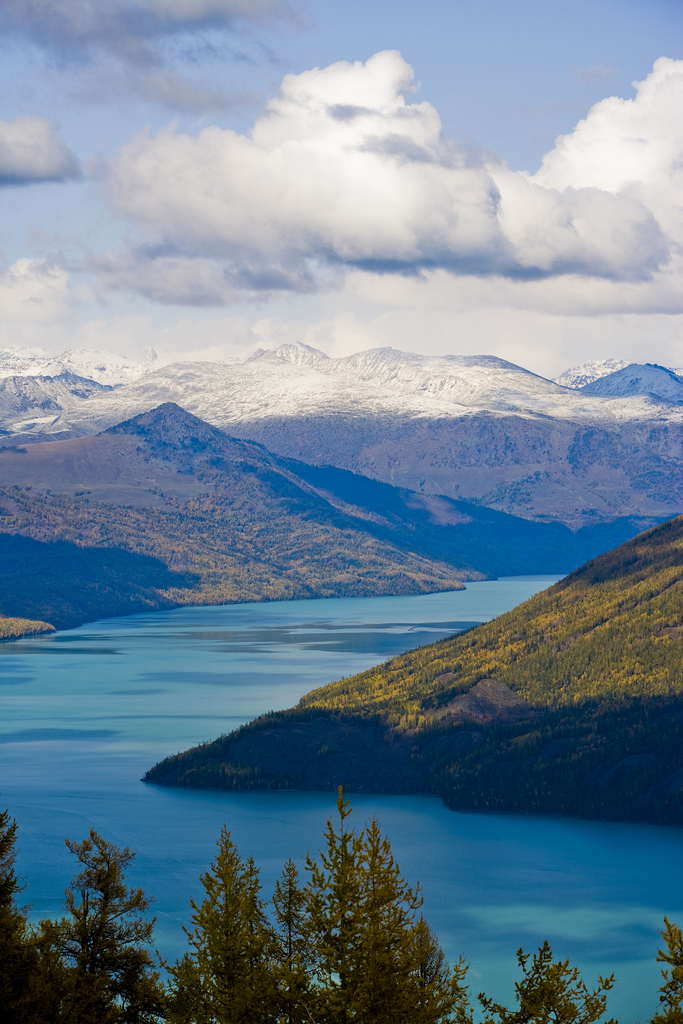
(571, 703)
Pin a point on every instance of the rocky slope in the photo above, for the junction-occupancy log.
(571, 703)
(460, 426)
(166, 510)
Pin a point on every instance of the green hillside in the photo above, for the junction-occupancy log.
(571, 703)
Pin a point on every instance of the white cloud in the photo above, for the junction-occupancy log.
(630, 148)
(215, 339)
(34, 290)
(342, 171)
(31, 150)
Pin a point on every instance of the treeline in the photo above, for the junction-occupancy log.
(349, 946)
(464, 533)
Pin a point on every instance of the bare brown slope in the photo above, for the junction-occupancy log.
(165, 453)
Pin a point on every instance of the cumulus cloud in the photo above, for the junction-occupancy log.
(631, 148)
(342, 171)
(31, 150)
(34, 290)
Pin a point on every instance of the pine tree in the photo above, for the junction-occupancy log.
(671, 992)
(376, 962)
(441, 992)
(550, 991)
(386, 947)
(294, 956)
(335, 919)
(17, 951)
(226, 976)
(94, 964)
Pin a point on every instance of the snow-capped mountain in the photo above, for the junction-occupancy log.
(298, 383)
(35, 404)
(100, 365)
(635, 380)
(422, 381)
(586, 373)
(579, 376)
(464, 426)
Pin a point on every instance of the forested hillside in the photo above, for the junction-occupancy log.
(571, 703)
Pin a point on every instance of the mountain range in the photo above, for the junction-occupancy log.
(472, 427)
(571, 703)
(165, 509)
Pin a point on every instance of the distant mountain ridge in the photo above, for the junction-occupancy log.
(578, 376)
(632, 380)
(99, 365)
(473, 427)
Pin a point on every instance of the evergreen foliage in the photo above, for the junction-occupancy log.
(17, 953)
(99, 969)
(671, 992)
(225, 978)
(346, 948)
(550, 992)
(294, 959)
(375, 961)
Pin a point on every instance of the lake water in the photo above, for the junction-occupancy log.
(87, 711)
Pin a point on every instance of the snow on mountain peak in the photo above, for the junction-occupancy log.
(635, 380)
(297, 353)
(99, 365)
(578, 376)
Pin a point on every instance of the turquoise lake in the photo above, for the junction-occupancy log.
(87, 711)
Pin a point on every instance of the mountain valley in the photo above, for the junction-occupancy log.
(165, 509)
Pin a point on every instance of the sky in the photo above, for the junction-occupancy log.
(206, 177)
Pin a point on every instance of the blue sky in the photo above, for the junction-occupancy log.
(164, 183)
